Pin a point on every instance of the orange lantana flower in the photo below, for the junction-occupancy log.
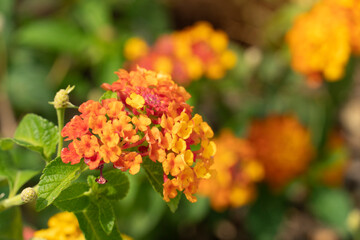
(283, 146)
(237, 171)
(149, 119)
(322, 39)
(186, 55)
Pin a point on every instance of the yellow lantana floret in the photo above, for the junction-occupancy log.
(136, 101)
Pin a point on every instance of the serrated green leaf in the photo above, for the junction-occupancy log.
(73, 205)
(72, 199)
(174, 202)
(117, 185)
(50, 34)
(37, 134)
(91, 226)
(106, 215)
(108, 94)
(11, 224)
(155, 174)
(56, 177)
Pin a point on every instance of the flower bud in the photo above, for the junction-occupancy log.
(28, 195)
(61, 99)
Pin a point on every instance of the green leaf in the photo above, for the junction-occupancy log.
(117, 185)
(155, 174)
(19, 179)
(107, 95)
(331, 206)
(72, 199)
(91, 227)
(50, 34)
(37, 134)
(6, 144)
(106, 215)
(7, 168)
(56, 177)
(174, 203)
(16, 178)
(11, 224)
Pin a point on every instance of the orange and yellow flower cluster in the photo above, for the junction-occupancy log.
(322, 40)
(186, 55)
(283, 146)
(149, 118)
(237, 171)
(62, 226)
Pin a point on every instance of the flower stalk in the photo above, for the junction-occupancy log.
(61, 102)
(60, 112)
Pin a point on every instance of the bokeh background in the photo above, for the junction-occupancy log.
(288, 145)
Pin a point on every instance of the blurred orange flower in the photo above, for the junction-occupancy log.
(64, 226)
(322, 40)
(135, 48)
(237, 171)
(186, 55)
(283, 146)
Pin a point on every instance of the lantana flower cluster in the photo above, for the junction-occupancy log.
(322, 40)
(186, 55)
(148, 118)
(283, 146)
(237, 172)
(62, 226)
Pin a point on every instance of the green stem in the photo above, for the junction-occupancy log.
(60, 112)
(14, 201)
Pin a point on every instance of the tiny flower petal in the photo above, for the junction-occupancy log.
(136, 101)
